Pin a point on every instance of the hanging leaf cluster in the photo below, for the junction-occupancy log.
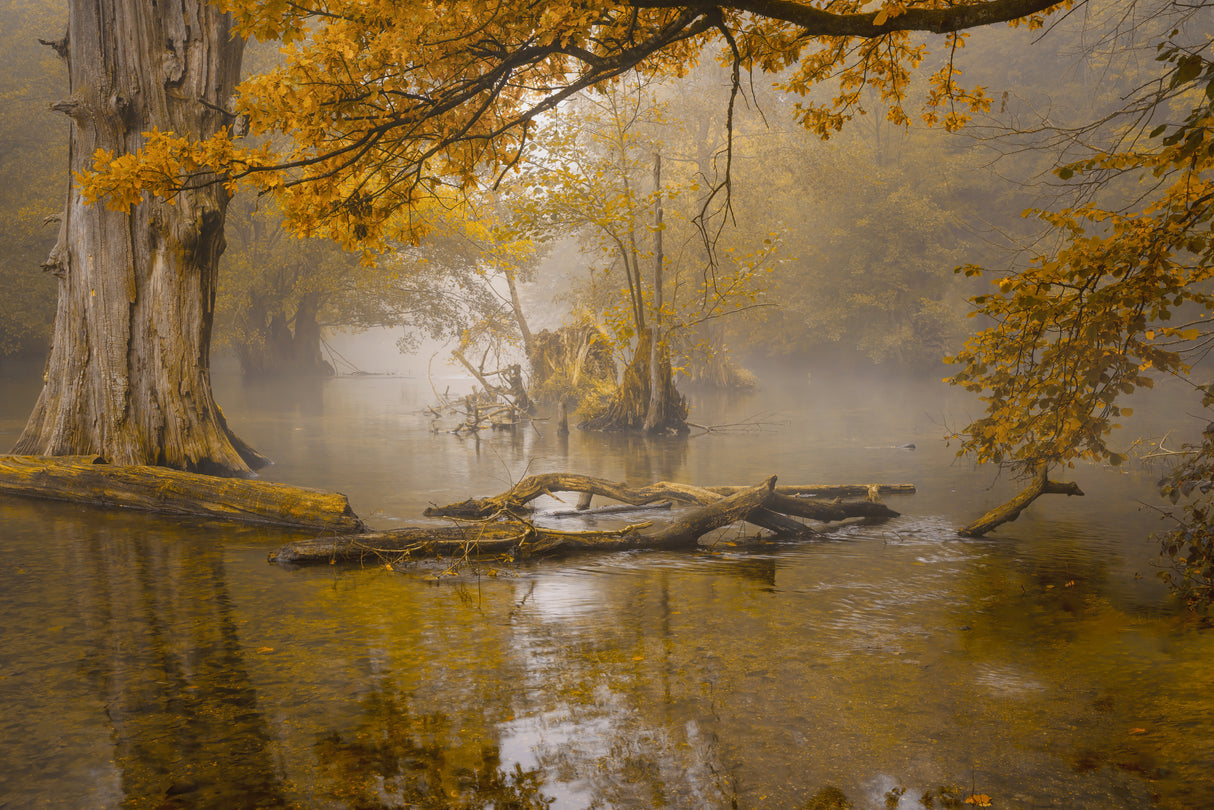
(1122, 300)
(384, 103)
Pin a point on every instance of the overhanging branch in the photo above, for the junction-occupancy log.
(818, 22)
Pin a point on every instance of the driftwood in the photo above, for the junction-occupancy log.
(870, 491)
(514, 501)
(1041, 485)
(495, 526)
(517, 539)
(612, 509)
(89, 480)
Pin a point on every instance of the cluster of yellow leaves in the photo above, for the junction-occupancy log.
(377, 105)
(945, 91)
(166, 164)
(1081, 328)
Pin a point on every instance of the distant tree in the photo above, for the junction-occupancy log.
(597, 172)
(867, 252)
(277, 293)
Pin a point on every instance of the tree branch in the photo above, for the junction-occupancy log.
(818, 22)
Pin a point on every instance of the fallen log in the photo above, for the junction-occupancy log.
(613, 509)
(89, 480)
(520, 540)
(1041, 485)
(832, 490)
(829, 511)
(514, 502)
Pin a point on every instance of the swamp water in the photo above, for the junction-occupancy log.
(155, 663)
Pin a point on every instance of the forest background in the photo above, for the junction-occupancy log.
(844, 249)
(869, 225)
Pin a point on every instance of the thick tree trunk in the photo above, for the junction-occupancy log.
(306, 356)
(129, 373)
(632, 403)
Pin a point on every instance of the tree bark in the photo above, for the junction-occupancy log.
(305, 338)
(1041, 485)
(129, 375)
(87, 479)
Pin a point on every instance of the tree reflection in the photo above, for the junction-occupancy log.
(403, 755)
(167, 664)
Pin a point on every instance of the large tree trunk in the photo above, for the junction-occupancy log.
(129, 373)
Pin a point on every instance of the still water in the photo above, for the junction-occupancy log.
(153, 663)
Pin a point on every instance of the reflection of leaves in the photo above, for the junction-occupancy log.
(399, 758)
(979, 800)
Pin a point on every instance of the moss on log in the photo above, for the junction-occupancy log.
(89, 480)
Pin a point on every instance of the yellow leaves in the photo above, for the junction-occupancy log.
(979, 800)
(888, 12)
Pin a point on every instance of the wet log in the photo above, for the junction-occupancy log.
(1041, 485)
(829, 511)
(832, 490)
(611, 509)
(89, 480)
(520, 540)
(514, 501)
(775, 518)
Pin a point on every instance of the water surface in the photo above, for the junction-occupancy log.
(157, 663)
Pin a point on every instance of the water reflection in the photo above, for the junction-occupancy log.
(140, 647)
(405, 753)
(147, 663)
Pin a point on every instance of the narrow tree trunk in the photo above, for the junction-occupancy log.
(129, 373)
(306, 338)
(520, 319)
(1008, 512)
(655, 417)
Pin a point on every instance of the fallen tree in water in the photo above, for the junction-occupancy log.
(90, 480)
(496, 526)
(1008, 512)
